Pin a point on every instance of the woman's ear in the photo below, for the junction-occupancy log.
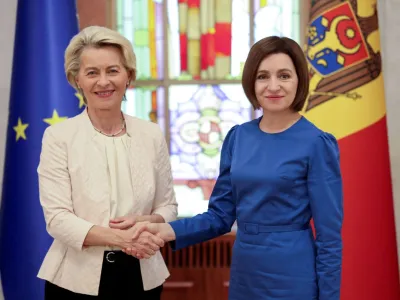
(77, 82)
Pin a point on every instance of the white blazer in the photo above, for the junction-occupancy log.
(75, 195)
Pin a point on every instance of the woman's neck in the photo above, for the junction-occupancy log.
(106, 121)
(274, 122)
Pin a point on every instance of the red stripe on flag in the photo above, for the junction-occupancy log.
(370, 265)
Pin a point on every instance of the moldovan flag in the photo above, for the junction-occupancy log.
(347, 99)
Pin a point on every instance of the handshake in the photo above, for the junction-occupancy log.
(141, 239)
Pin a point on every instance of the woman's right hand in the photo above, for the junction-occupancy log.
(162, 230)
(155, 230)
(142, 246)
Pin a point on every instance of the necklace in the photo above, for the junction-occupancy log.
(113, 134)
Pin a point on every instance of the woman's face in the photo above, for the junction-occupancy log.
(102, 77)
(276, 83)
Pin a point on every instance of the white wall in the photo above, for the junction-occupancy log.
(389, 22)
(7, 26)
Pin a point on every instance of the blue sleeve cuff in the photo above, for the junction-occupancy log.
(179, 230)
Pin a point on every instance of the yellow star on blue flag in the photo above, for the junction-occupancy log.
(20, 130)
(81, 101)
(54, 119)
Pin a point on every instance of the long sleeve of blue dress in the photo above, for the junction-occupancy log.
(326, 200)
(221, 213)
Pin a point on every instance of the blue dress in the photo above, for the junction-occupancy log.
(273, 184)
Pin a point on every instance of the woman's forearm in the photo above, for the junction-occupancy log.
(151, 218)
(102, 236)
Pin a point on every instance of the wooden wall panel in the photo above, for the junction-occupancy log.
(200, 271)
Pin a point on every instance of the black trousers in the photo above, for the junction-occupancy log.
(120, 279)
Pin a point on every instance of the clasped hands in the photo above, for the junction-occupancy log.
(141, 239)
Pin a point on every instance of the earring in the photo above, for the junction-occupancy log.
(127, 84)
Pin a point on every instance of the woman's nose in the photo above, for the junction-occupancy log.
(273, 85)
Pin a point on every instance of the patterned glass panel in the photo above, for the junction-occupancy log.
(200, 118)
(146, 103)
(141, 22)
(277, 17)
(208, 39)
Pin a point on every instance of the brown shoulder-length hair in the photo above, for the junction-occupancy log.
(272, 45)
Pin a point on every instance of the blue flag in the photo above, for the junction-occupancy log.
(40, 96)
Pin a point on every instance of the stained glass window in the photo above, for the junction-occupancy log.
(208, 39)
(147, 103)
(277, 17)
(190, 56)
(141, 22)
(200, 118)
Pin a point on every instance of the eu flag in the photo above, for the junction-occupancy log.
(40, 96)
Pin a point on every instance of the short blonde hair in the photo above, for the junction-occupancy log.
(97, 37)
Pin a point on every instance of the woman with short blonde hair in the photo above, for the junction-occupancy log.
(97, 37)
(100, 173)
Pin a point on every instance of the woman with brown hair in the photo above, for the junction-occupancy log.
(276, 174)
